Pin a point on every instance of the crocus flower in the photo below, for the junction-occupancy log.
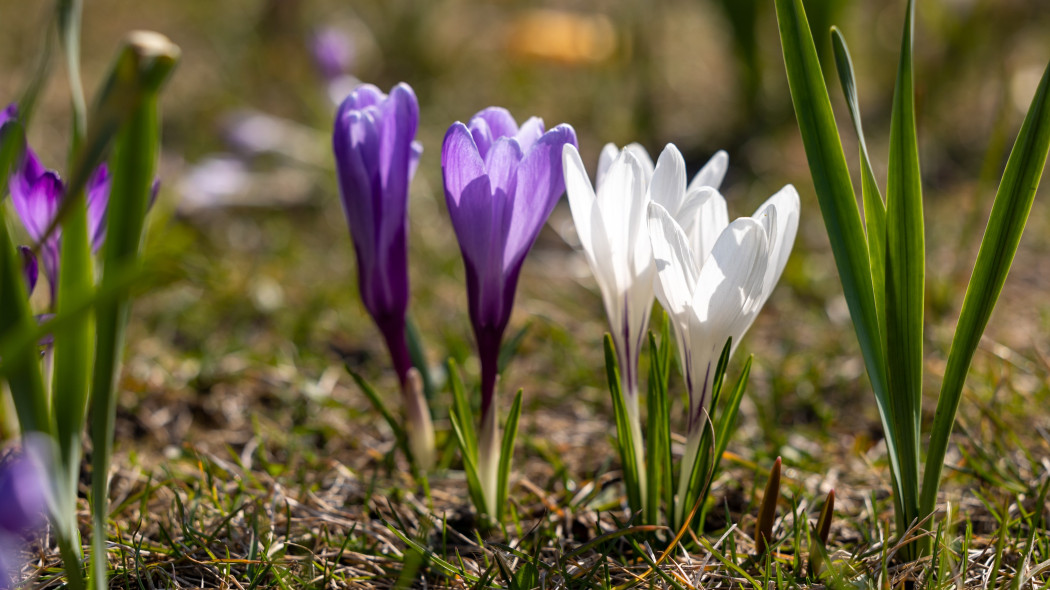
(376, 157)
(612, 227)
(501, 183)
(714, 293)
(36, 194)
(23, 506)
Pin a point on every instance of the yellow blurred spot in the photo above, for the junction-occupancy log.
(562, 36)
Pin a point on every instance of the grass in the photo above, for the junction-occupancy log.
(246, 457)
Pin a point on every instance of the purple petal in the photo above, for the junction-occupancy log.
(501, 164)
(363, 96)
(461, 163)
(491, 124)
(376, 157)
(29, 268)
(35, 195)
(531, 131)
(22, 494)
(540, 185)
(9, 113)
(97, 204)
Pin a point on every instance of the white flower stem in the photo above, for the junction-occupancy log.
(631, 403)
(417, 415)
(685, 471)
(488, 460)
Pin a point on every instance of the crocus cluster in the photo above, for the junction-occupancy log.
(646, 232)
(376, 156)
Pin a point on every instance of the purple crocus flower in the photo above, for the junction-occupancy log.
(23, 495)
(501, 183)
(36, 194)
(376, 157)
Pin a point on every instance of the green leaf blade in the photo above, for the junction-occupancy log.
(1010, 210)
(905, 277)
(835, 195)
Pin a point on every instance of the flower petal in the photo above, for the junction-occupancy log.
(668, 183)
(491, 124)
(581, 198)
(729, 283)
(704, 217)
(676, 266)
(529, 133)
(540, 184)
(713, 172)
(97, 203)
(605, 159)
(781, 230)
(461, 162)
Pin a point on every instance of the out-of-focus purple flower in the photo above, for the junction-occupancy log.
(333, 52)
(376, 157)
(36, 194)
(501, 183)
(10, 112)
(29, 267)
(23, 493)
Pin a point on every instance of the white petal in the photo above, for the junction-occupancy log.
(730, 281)
(668, 183)
(710, 220)
(621, 202)
(646, 162)
(676, 267)
(781, 229)
(713, 172)
(605, 159)
(580, 194)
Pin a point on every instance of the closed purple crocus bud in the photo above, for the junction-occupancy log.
(501, 183)
(23, 493)
(376, 157)
(36, 194)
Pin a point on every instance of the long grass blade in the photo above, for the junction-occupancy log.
(905, 278)
(1010, 211)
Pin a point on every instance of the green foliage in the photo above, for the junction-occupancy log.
(882, 268)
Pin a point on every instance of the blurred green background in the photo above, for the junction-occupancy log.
(257, 308)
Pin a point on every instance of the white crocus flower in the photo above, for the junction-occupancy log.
(611, 226)
(714, 282)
